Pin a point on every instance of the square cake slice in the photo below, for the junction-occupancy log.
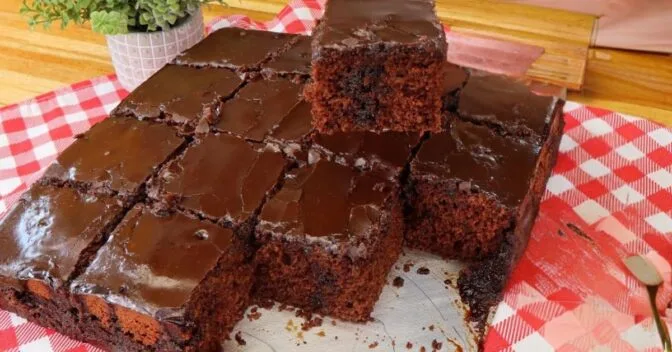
(219, 177)
(256, 110)
(377, 65)
(46, 239)
(328, 239)
(240, 50)
(465, 192)
(184, 96)
(164, 283)
(507, 105)
(115, 156)
(474, 195)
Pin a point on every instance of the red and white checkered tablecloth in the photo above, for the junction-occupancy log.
(613, 180)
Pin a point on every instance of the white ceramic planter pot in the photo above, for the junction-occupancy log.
(136, 56)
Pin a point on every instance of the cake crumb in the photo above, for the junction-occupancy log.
(240, 340)
(409, 345)
(333, 322)
(423, 270)
(436, 345)
(448, 282)
(311, 323)
(321, 333)
(423, 349)
(303, 314)
(398, 281)
(254, 314)
(431, 327)
(373, 345)
(408, 266)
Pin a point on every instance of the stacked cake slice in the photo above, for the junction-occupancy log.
(219, 182)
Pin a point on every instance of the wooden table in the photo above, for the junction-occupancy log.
(37, 61)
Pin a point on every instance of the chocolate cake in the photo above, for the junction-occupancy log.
(255, 111)
(377, 65)
(115, 156)
(218, 177)
(474, 190)
(237, 49)
(184, 96)
(46, 239)
(327, 240)
(507, 105)
(217, 182)
(464, 193)
(164, 283)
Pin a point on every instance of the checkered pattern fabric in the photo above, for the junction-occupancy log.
(610, 196)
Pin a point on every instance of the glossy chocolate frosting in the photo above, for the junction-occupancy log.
(180, 94)
(351, 23)
(507, 105)
(477, 157)
(235, 48)
(295, 126)
(258, 107)
(153, 264)
(390, 150)
(220, 177)
(295, 60)
(454, 78)
(328, 203)
(118, 154)
(44, 234)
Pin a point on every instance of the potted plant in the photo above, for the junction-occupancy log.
(142, 35)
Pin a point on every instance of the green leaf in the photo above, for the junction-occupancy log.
(109, 23)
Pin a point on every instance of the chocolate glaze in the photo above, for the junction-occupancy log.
(220, 177)
(351, 23)
(258, 108)
(480, 158)
(454, 79)
(153, 264)
(44, 234)
(507, 105)
(234, 48)
(293, 61)
(181, 95)
(330, 204)
(295, 126)
(116, 155)
(388, 150)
